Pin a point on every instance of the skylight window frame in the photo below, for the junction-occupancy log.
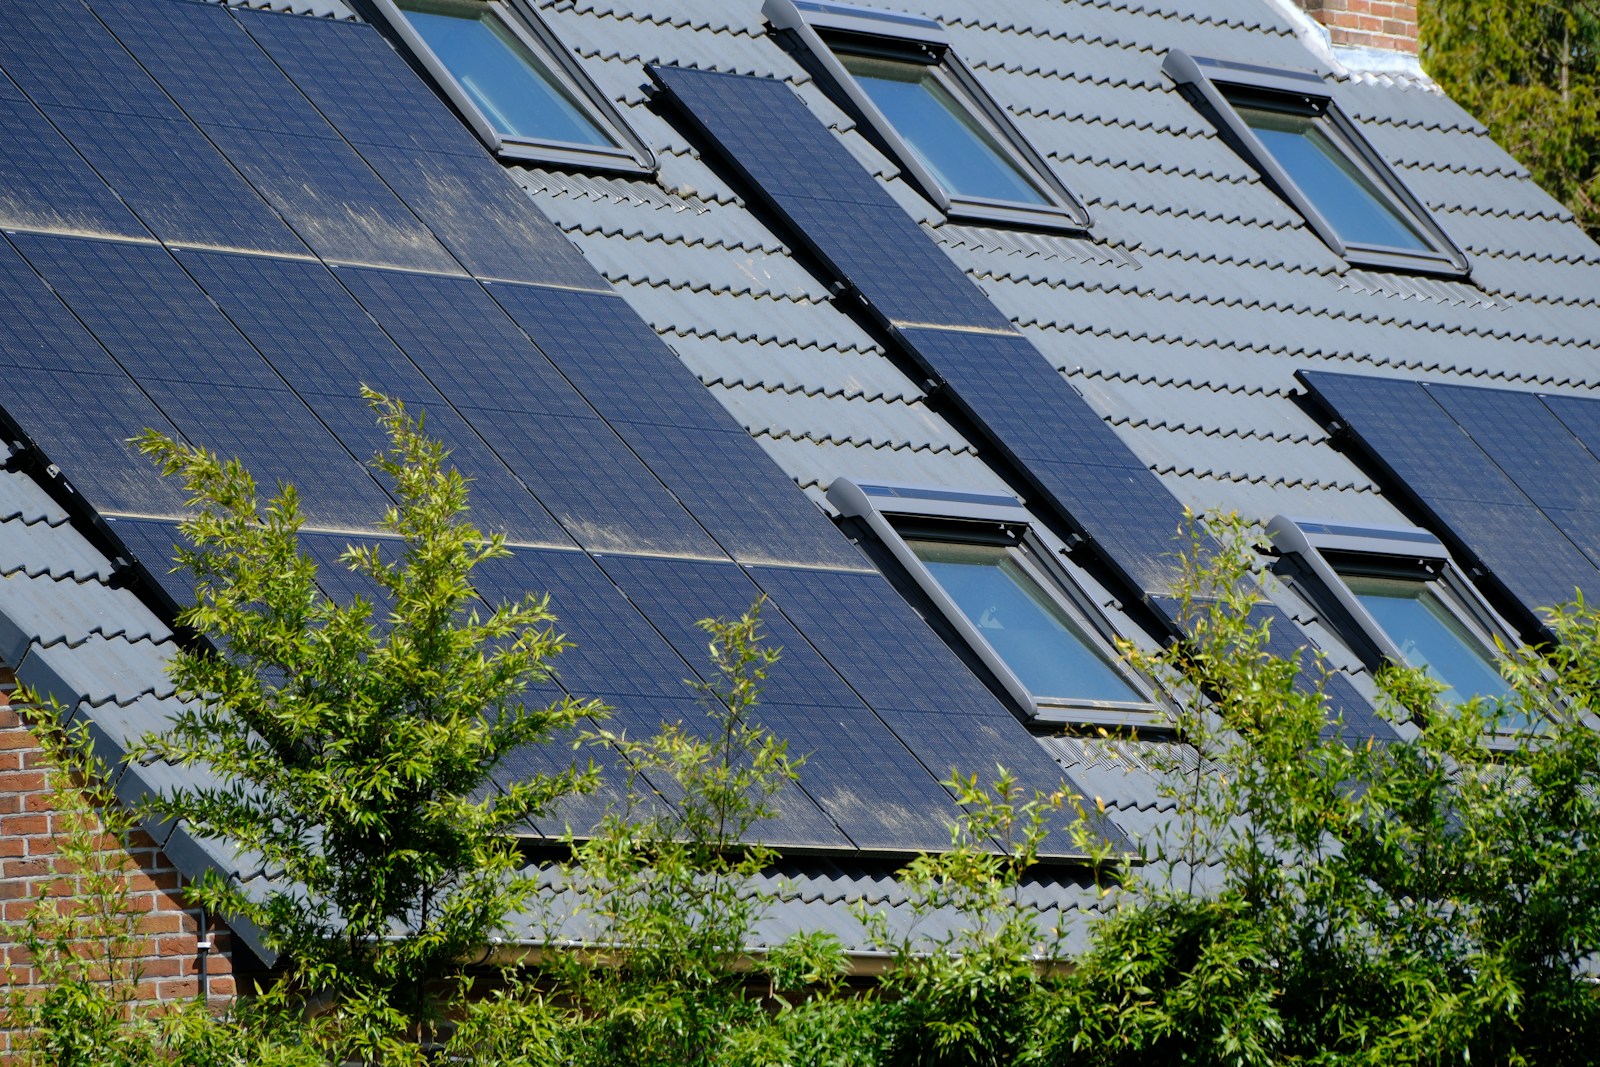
(1221, 85)
(896, 514)
(824, 27)
(1334, 551)
(630, 154)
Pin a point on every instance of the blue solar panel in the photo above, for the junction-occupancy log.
(1581, 416)
(422, 151)
(1530, 444)
(689, 440)
(835, 206)
(1424, 452)
(915, 683)
(528, 413)
(273, 135)
(620, 658)
(201, 373)
(326, 347)
(154, 543)
(359, 83)
(202, 56)
(47, 186)
(179, 184)
(63, 57)
(130, 131)
(857, 769)
(80, 407)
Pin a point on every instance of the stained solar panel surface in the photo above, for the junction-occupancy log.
(201, 373)
(533, 418)
(669, 419)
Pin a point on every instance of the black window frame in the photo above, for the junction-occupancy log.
(896, 514)
(1218, 85)
(823, 28)
(630, 155)
(1331, 552)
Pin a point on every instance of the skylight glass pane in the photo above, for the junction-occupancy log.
(1023, 623)
(964, 156)
(515, 91)
(1430, 637)
(1354, 206)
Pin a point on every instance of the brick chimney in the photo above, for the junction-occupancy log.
(1390, 25)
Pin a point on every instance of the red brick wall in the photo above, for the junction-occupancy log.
(1386, 24)
(165, 946)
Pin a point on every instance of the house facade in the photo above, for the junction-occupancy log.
(925, 321)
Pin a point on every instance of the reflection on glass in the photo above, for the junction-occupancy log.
(1029, 630)
(1430, 637)
(965, 158)
(1351, 202)
(511, 87)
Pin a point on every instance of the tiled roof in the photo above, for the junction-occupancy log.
(1181, 317)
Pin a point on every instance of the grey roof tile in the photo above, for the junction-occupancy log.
(709, 14)
(23, 500)
(628, 261)
(48, 612)
(814, 465)
(98, 670)
(725, 316)
(40, 548)
(792, 368)
(115, 729)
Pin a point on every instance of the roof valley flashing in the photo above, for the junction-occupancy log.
(948, 326)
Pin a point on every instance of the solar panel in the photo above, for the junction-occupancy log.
(130, 131)
(528, 413)
(47, 186)
(1056, 437)
(359, 83)
(153, 543)
(1530, 444)
(409, 137)
(274, 136)
(621, 659)
(1424, 453)
(689, 440)
(322, 342)
(834, 205)
(857, 769)
(201, 373)
(914, 682)
(81, 408)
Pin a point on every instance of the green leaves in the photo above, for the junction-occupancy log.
(351, 744)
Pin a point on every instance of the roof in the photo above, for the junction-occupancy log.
(654, 378)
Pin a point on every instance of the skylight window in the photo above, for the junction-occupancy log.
(908, 87)
(514, 82)
(1002, 586)
(1311, 154)
(1397, 597)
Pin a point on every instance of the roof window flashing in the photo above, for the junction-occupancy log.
(1001, 584)
(1410, 602)
(901, 76)
(1308, 151)
(516, 84)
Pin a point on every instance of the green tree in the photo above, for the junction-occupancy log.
(1322, 897)
(1530, 71)
(351, 745)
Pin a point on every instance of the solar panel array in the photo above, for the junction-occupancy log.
(951, 329)
(1509, 475)
(243, 217)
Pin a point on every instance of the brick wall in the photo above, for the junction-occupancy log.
(1386, 24)
(165, 946)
